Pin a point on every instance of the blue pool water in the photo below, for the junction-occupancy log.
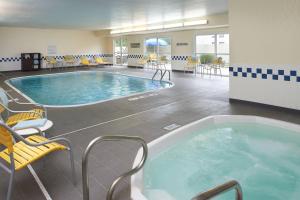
(264, 159)
(76, 88)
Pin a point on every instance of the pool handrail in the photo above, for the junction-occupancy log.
(220, 190)
(85, 177)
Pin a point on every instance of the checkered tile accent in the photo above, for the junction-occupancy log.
(270, 74)
(135, 56)
(11, 59)
(179, 58)
(16, 59)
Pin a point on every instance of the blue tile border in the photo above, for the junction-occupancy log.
(179, 58)
(10, 59)
(173, 58)
(266, 74)
(135, 56)
(18, 59)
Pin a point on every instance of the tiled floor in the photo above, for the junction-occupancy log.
(190, 99)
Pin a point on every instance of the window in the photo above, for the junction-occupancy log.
(158, 46)
(216, 44)
(205, 44)
(120, 51)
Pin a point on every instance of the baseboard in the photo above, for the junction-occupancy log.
(18, 70)
(182, 71)
(232, 100)
(137, 67)
(173, 70)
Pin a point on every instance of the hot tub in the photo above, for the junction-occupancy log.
(262, 154)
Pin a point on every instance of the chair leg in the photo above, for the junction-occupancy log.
(72, 165)
(11, 185)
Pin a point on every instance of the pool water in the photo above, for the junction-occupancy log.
(77, 88)
(264, 159)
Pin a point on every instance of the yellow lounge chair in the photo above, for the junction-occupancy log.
(51, 61)
(144, 61)
(100, 61)
(85, 61)
(153, 57)
(191, 65)
(153, 60)
(217, 65)
(12, 117)
(21, 154)
(69, 60)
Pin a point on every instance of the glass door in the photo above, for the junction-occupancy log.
(164, 48)
(213, 47)
(158, 47)
(120, 51)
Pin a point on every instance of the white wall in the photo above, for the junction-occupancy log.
(14, 41)
(265, 35)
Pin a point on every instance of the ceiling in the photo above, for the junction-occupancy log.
(102, 14)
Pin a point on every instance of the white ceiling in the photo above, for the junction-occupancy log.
(102, 14)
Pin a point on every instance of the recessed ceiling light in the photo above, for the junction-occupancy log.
(195, 22)
(140, 29)
(126, 30)
(115, 31)
(174, 25)
(155, 27)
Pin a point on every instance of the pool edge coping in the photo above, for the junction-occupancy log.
(172, 84)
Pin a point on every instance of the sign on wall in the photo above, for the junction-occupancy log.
(51, 50)
(182, 44)
(135, 45)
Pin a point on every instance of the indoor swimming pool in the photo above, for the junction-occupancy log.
(82, 87)
(261, 154)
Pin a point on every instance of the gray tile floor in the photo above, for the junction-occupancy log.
(190, 99)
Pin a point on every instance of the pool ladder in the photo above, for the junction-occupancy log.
(222, 189)
(163, 72)
(85, 177)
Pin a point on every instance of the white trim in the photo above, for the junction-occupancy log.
(92, 103)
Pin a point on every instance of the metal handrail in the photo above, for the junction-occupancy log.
(162, 74)
(157, 70)
(85, 178)
(220, 190)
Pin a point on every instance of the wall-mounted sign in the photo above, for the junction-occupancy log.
(135, 45)
(182, 44)
(51, 50)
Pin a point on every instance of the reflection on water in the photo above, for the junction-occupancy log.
(82, 87)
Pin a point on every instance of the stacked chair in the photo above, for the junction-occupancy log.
(19, 152)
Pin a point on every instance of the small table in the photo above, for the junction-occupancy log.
(31, 131)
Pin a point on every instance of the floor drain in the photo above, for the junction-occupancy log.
(171, 127)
